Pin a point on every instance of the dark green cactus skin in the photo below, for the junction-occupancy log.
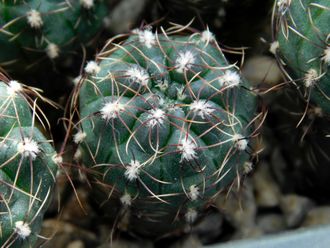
(64, 27)
(303, 29)
(26, 179)
(176, 180)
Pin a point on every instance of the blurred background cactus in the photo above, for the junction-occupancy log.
(44, 42)
(28, 165)
(301, 32)
(299, 114)
(34, 32)
(165, 126)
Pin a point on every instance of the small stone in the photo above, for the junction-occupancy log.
(262, 69)
(271, 223)
(122, 243)
(317, 216)
(266, 190)
(239, 208)
(63, 234)
(128, 10)
(76, 244)
(209, 228)
(248, 233)
(295, 208)
(190, 242)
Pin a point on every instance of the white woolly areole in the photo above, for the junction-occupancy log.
(247, 167)
(132, 170)
(201, 108)
(156, 117)
(111, 110)
(126, 200)
(180, 94)
(162, 85)
(53, 51)
(273, 47)
(92, 68)
(138, 75)
(34, 19)
(184, 61)
(13, 88)
(87, 4)
(326, 55)
(146, 37)
(207, 36)
(193, 192)
(28, 148)
(57, 159)
(240, 142)
(188, 149)
(79, 137)
(191, 215)
(22, 229)
(230, 79)
(310, 78)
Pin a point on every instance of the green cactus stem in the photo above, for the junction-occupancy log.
(34, 31)
(28, 165)
(165, 126)
(302, 35)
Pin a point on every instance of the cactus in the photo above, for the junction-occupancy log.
(165, 126)
(28, 165)
(33, 31)
(302, 31)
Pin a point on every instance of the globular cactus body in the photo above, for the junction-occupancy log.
(165, 126)
(27, 167)
(302, 33)
(34, 31)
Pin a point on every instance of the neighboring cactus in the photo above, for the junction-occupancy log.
(27, 167)
(165, 126)
(302, 35)
(32, 31)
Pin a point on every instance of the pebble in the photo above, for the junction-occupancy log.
(271, 223)
(238, 207)
(128, 10)
(267, 192)
(127, 244)
(64, 234)
(76, 244)
(295, 208)
(262, 69)
(248, 233)
(209, 228)
(191, 241)
(317, 216)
